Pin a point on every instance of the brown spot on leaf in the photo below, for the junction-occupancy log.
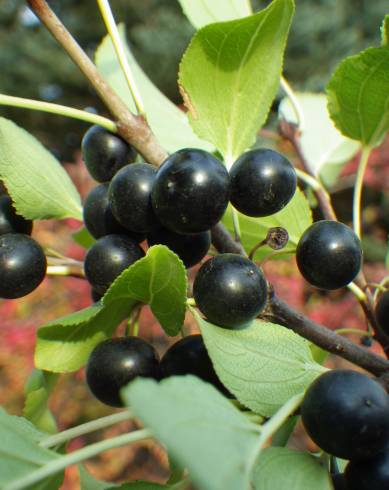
(188, 102)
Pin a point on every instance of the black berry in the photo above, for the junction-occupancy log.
(347, 414)
(98, 217)
(230, 290)
(95, 296)
(329, 255)
(116, 362)
(190, 248)
(108, 257)
(382, 312)
(262, 182)
(104, 153)
(10, 221)
(22, 265)
(191, 191)
(189, 356)
(371, 474)
(130, 197)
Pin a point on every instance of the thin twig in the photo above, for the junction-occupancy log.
(65, 267)
(132, 128)
(277, 311)
(223, 241)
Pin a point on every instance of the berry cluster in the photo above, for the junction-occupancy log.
(176, 206)
(22, 259)
(116, 362)
(346, 414)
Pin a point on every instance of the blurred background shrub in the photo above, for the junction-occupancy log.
(32, 65)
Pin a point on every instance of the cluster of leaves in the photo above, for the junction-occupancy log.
(265, 366)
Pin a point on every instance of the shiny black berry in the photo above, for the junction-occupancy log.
(190, 248)
(382, 312)
(230, 290)
(329, 255)
(95, 295)
(347, 414)
(189, 356)
(98, 217)
(371, 474)
(22, 265)
(262, 182)
(108, 257)
(130, 197)
(191, 191)
(104, 153)
(116, 362)
(10, 221)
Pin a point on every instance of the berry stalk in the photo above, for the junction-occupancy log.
(60, 110)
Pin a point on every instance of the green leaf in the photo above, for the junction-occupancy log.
(230, 74)
(201, 429)
(325, 148)
(201, 13)
(37, 392)
(295, 218)
(87, 482)
(263, 365)
(38, 184)
(159, 279)
(83, 238)
(358, 96)
(20, 453)
(385, 31)
(65, 344)
(281, 468)
(145, 485)
(168, 122)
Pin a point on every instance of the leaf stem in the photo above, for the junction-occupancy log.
(344, 331)
(60, 110)
(65, 267)
(112, 29)
(82, 429)
(357, 291)
(309, 180)
(273, 424)
(277, 311)
(358, 189)
(295, 104)
(235, 221)
(75, 457)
